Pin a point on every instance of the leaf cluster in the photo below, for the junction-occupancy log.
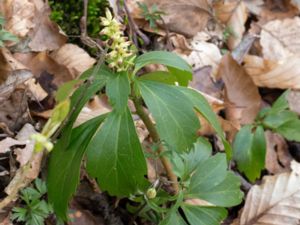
(35, 209)
(249, 147)
(116, 159)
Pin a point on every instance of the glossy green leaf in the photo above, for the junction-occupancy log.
(115, 156)
(64, 165)
(200, 215)
(176, 65)
(118, 90)
(203, 107)
(79, 98)
(160, 76)
(173, 112)
(173, 218)
(249, 151)
(213, 183)
(274, 120)
(281, 103)
(290, 130)
(185, 163)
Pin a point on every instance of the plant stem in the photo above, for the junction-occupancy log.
(155, 137)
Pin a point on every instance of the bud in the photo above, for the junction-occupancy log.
(151, 193)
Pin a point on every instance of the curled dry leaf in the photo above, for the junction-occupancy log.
(19, 15)
(203, 54)
(241, 94)
(275, 201)
(278, 158)
(180, 16)
(279, 39)
(74, 58)
(38, 93)
(233, 14)
(282, 74)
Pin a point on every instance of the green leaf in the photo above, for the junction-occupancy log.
(176, 65)
(115, 156)
(274, 120)
(249, 151)
(203, 107)
(64, 165)
(160, 76)
(185, 164)
(65, 90)
(281, 103)
(118, 90)
(173, 218)
(79, 98)
(213, 183)
(200, 215)
(175, 118)
(290, 130)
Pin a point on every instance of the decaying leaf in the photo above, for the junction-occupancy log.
(241, 93)
(233, 14)
(279, 39)
(8, 142)
(46, 35)
(19, 16)
(278, 158)
(24, 154)
(275, 201)
(180, 16)
(203, 54)
(254, 6)
(74, 58)
(38, 93)
(274, 74)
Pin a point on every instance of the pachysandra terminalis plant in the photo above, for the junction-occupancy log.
(115, 157)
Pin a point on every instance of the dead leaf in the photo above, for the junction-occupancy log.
(19, 15)
(296, 3)
(203, 54)
(46, 35)
(282, 74)
(279, 39)
(293, 99)
(233, 14)
(254, 6)
(197, 202)
(275, 201)
(241, 94)
(24, 154)
(74, 58)
(8, 142)
(38, 93)
(278, 157)
(180, 16)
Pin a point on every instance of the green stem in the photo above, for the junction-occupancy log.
(155, 137)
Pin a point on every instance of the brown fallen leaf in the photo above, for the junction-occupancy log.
(46, 35)
(180, 16)
(24, 154)
(241, 94)
(74, 58)
(8, 142)
(38, 93)
(19, 15)
(203, 54)
(278, 158)
(282, 74)
(233, 14)
(279, 39)
(275, 201)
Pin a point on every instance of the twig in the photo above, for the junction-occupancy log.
(134, 28)
(155, 137)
